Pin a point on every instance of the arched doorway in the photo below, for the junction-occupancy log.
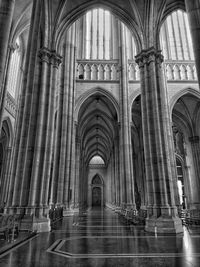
(185, 117)
(96, 196)
(97, 191)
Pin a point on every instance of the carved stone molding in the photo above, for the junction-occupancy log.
(44, 54)
(55, 59)
(50, 57)
(149, 55)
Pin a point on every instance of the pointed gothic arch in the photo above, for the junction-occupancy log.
(65, 22)
(96, 191)
(97, 180)
(6, 140)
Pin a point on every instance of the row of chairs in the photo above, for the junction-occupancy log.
(130, 216)
(9, 226)
(138, 217)
(55, 214)
(190, 217)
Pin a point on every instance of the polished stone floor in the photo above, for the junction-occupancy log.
(100, 238)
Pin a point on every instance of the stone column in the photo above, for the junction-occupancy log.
(65, 151)
(25, 122)
(117, 182)
(126, 172)
(113, 179)
(83, 185)
(62, 129)
(70, 89)
(81, 178)
(40, 163)
(39, 146)
(193, 12)
(110, 184)
(72, 169)
(55, 185)
(195, 145)
(61, 132)
(6, 15)
(55, 60)
(75, 187)
(141, 165)
(162, 212)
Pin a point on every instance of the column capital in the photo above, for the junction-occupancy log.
(194, 139)
(147, 56)
(44, 54)
(49, 56)
(12, 47)
(56, 59)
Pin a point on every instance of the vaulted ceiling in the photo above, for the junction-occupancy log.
(138, 15)
(97, 127)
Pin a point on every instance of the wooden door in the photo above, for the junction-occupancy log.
(96, 196)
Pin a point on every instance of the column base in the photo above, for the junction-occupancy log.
(41, 225)
(110, 206)
(33, 219)
(32, 224)
(72, 210)
(163, 225)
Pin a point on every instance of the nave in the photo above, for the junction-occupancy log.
(101, 238)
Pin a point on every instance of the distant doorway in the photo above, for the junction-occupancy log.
(96, 197)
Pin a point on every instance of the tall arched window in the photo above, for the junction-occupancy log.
(14, 66)
(98, 34)
(176, 41)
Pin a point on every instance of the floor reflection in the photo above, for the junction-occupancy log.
(99, 238)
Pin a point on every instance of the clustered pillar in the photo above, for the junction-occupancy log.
(28, 98)
(162, 212)
(193, 12)
(65, 150)
(126, 162)
(33, 146)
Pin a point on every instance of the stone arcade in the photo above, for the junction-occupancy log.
(100, 107)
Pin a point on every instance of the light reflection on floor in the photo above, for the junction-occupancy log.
(101, 239)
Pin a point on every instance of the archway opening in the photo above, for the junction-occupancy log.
(98, 131)
(97, 191)
(185, 117)
(180, 183)
(5, 154)
(90, 49)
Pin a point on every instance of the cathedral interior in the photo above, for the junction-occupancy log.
(100, 133)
